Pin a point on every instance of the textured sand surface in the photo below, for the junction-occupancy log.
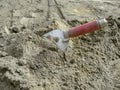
(30, 62)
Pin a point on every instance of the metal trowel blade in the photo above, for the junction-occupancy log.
(62, 42)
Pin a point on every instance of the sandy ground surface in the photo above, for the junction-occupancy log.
(30, 62)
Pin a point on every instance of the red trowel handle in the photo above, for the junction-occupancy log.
(86, 28)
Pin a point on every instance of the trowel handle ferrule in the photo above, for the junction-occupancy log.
(86, 28)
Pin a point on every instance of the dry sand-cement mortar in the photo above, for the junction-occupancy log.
(30, 62)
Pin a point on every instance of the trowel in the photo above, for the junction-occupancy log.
(61, 38)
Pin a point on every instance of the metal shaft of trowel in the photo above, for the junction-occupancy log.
(86, 28)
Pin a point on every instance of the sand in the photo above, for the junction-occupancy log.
(30, 62)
